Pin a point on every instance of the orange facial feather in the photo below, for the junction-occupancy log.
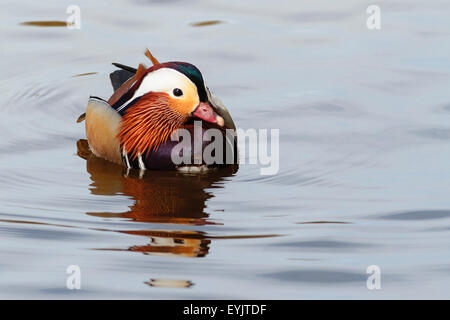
(148, 123)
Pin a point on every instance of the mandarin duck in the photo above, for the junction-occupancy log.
(136, 125)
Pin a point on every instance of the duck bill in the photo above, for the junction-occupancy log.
(205, 112)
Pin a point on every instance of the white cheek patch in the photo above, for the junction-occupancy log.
(162, 80)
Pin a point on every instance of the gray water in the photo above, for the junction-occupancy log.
(364, 153)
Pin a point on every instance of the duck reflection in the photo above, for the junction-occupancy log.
(159, 197)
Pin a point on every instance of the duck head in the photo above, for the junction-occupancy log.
(163, 98)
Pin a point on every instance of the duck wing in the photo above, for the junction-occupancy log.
(119, 77)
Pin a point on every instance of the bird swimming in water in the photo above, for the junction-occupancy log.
(135, 126)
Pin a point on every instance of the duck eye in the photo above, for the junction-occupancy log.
(177, 92)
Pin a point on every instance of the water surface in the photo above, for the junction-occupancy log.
(364, 153)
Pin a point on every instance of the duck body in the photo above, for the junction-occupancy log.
(140, 125)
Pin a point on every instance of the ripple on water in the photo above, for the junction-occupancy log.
(151, 201)
(169, 283)
(323, 245)
(49, 98)
(434, 133)
(207, 23)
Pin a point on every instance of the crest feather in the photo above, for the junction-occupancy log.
(149, 55)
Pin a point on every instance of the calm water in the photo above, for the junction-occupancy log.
(364, 148)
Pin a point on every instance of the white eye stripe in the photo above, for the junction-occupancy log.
(161, 80)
